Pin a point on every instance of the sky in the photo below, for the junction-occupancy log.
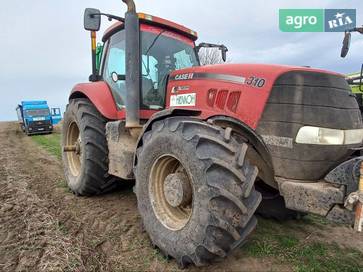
(44, 50)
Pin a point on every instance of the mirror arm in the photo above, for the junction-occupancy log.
(113, 17)
(211, 45)
(110, 17)
(356, 29)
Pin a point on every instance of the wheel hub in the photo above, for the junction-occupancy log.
(171, 192)
(177, 190)
(73, 148)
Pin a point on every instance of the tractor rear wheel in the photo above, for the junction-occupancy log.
(85, 152)
(195, 190)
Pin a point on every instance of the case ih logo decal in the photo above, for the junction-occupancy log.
(317, 20)
(184, 76)
(252, 81)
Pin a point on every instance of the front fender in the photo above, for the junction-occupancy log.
(162, 115)
(100, 95)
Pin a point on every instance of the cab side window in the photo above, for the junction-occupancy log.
(115, 62)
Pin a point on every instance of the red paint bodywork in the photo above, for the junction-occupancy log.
(100, 95)
(252, 100)
(170, 24)
(251, 103)
(152, 29)
(160, 23)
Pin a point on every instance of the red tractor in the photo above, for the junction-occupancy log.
(207, 144)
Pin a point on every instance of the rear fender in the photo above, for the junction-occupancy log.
(100, 95)
(163, 115)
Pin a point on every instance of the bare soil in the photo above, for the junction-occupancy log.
(43, 227)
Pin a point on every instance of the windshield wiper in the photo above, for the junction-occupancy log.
(154, 41)
(147, 53)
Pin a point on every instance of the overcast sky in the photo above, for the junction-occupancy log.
(44, 50)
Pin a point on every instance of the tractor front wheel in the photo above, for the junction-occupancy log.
(85, 152)
(195, 190)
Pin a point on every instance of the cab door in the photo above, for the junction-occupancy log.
(115, 63)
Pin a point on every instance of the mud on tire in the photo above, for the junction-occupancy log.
(91, 176)
(224, 199)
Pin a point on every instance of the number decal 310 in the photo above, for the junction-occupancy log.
(255, 82)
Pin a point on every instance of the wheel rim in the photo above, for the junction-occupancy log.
(74, 152)
(170, 192)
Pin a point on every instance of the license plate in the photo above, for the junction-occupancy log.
(40, 129)
(186, 100)
(38, 118)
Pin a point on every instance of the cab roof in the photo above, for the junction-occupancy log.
(156, 21)
(34, 103)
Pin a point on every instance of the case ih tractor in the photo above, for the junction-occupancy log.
(207, 144)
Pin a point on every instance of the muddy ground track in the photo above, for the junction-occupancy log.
(43, 227)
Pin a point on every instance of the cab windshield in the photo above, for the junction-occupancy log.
(37, 112)
(160, 55)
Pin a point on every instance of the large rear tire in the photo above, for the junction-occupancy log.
(85, 152)
(195, 190)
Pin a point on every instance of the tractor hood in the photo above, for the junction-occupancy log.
(276, 102)
(269, 72)
(237, 90)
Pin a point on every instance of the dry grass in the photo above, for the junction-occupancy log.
(58, 127)
(35, 233)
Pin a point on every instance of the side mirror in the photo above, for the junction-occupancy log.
(224, 53)
(346, 45)
(221, 47)
(92, 19)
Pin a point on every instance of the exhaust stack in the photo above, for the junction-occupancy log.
(130, 5)
(133, 65)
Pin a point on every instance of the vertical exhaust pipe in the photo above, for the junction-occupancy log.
(133, 65)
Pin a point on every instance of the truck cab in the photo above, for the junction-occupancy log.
(34, 117)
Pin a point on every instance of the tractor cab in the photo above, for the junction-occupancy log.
(164, 47)
(139, 53)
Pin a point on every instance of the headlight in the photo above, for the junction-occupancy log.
(328, 136)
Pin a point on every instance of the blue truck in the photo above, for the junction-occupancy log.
(35, 117)
(56, 115)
